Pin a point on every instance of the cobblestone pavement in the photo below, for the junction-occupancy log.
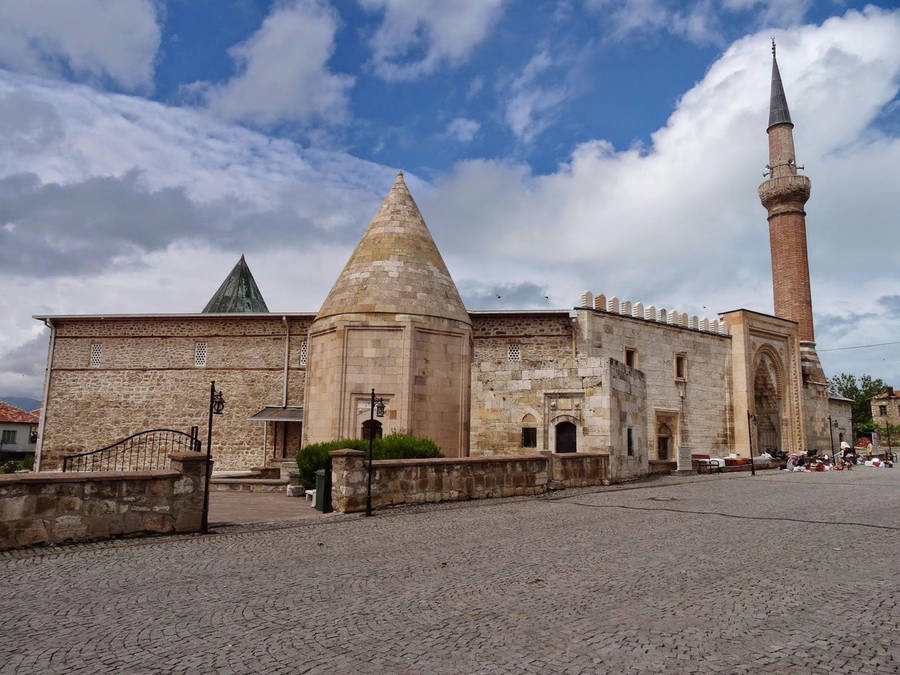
(774, 573)
(254, 507)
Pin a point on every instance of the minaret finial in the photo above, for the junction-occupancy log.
(773, 47)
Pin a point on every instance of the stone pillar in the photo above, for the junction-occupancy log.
(348, 480)
(187, 491)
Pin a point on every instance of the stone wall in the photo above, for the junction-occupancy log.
(627, 406)
(698, 404)
(417, 481)
(146, 378)
(50, 508)
(579, 469)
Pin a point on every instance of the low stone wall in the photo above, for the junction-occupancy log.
(51, 507)
(416, 481)
(579, 469)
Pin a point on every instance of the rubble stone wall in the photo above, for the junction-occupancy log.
(50, 508)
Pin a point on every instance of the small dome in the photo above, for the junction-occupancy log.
(396, 267)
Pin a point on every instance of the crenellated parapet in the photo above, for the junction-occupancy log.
(637, 310)
(784, 194)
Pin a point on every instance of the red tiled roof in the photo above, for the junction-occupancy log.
(36, 412)
(10, 413)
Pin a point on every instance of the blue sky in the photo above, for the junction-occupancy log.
(554, 147)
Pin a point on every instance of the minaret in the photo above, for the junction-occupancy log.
(784, 196)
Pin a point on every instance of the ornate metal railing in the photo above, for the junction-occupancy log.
(144, 451)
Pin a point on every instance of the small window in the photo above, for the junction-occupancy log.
(513, 353)
(680, 367)
(9, 437)
(882, 410)
(200, 354)
(529, 437)
(630, 438)
(631, 357)
(303, 353)
(95, 354)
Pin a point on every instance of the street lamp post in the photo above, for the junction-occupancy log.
(831, 425)
(377, 408)
(751, 418)
(216, 406)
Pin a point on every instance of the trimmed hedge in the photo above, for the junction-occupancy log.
(393, 446)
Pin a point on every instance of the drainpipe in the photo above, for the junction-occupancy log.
(43, 420)
(287, 344)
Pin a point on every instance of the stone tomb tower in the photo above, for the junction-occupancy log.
(784, 195)
(393, 321)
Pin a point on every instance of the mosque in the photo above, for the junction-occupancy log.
(650, 386)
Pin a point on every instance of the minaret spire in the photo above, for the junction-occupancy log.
(778, 107)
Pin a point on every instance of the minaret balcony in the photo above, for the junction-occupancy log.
(784, 191)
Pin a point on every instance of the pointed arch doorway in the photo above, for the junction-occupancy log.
(768, 399)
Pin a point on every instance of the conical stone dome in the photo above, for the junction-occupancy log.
(396, 268)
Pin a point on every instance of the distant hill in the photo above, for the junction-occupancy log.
(22, 402)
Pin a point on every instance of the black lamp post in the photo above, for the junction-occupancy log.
(751, 418)
(831, 425)
(377, 408)
(216, 406)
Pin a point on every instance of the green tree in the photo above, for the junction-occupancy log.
(859, 390)
(888, 434)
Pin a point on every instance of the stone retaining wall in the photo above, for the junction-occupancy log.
(417, 481)
(50, 507)
(579, 469)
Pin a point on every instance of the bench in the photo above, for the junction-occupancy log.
(704, 461)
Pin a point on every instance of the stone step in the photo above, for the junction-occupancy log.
(267, 471)
(247, 484)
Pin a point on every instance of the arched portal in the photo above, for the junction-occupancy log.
(767, 402)
(566, 437)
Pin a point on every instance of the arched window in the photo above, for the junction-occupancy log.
(663, 441)
(529, 431)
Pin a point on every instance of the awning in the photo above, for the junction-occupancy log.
(274, 413)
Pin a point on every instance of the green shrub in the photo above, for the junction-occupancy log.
(393, 446)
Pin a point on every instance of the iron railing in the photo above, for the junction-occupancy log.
(144, 451)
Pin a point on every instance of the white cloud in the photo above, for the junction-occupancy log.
(463, 129)
(699, 22)
(416, 37)
(283, 72)
(94, 39)
(535, 98)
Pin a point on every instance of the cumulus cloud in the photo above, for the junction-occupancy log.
(282, 70)
(463, 129)
(416, 37)
(93, 39)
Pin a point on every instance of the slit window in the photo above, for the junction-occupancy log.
(513, 353)
(96, 354)
(303, 353)
(631, 357)
(630, 441)
(529, 437)
(200, 354)
(680, 367)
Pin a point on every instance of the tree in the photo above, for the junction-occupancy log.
(860, 390)
(888, 434)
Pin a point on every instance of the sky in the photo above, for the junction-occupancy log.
(553, 147)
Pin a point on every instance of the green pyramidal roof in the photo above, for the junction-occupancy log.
(238, 293)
